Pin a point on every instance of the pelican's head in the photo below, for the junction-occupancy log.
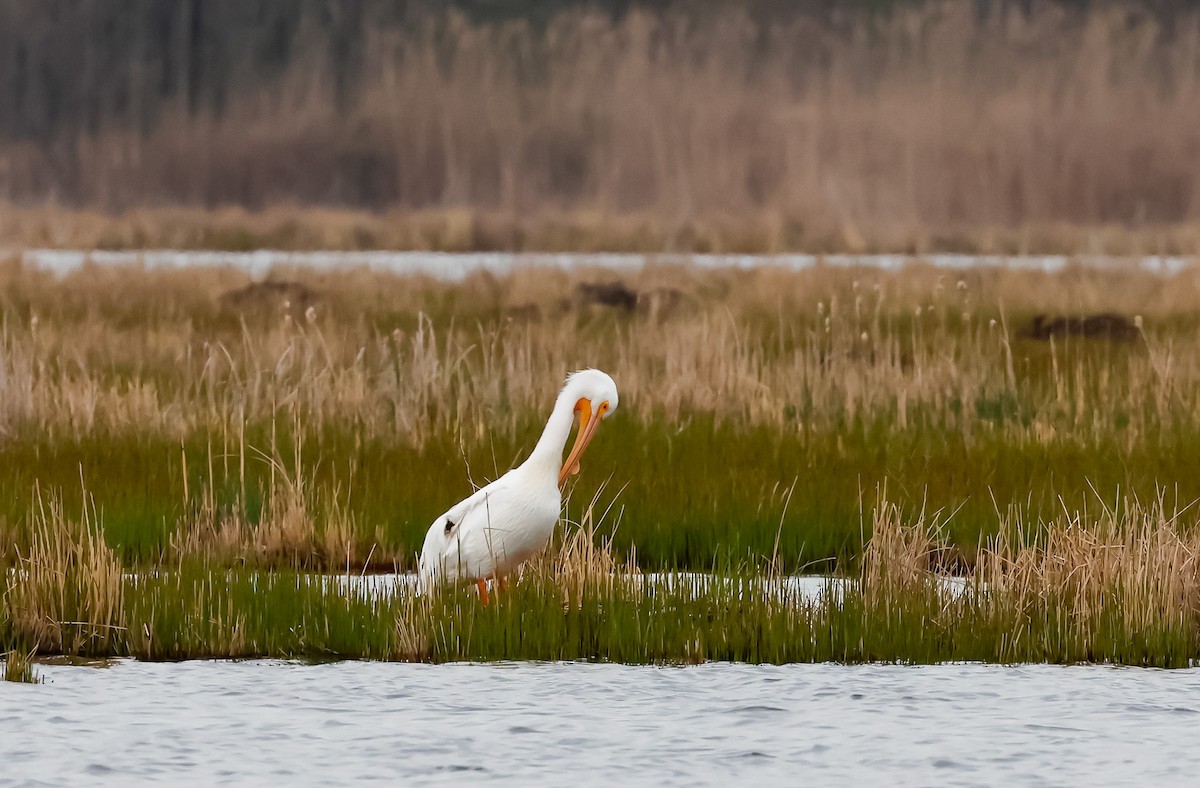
(594, 395)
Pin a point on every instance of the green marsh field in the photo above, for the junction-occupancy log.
(187, 456)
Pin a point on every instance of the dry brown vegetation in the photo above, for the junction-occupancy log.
(928, 128)
(410, 357)
(70, 594)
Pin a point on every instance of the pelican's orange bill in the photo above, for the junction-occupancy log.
(587, 428)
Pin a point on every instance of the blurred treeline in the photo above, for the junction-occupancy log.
(826, 115)
(84, 65)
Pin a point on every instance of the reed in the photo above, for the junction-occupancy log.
(69, 593)
(18, 667)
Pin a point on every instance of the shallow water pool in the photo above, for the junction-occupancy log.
(266, 722)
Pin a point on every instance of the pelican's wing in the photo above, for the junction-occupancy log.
(459, 541)
(453, 519)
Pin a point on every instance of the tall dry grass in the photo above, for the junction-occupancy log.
(157, 352)
(68, 593)
(1132, 555)
(122, 350)
(930, 127)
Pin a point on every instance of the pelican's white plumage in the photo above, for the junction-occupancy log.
(502, 525)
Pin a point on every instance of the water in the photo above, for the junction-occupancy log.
(458, 266)
(269, 722)
(808, 587)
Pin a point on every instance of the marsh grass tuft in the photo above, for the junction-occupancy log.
(68, 594)
(18, 667)
(293, 523)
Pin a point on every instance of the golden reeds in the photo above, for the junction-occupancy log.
(68, 592)
(742, 347)
(1141, 559)
(18, 667)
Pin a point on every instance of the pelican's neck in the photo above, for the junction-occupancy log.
(547, 456)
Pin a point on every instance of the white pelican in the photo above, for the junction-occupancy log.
(494, 531)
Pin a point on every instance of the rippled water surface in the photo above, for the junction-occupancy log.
(283, 723)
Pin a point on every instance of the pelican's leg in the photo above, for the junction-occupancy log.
(483, 592)
(502, 583)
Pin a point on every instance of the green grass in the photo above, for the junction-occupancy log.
(1120, 589)
(200, 612)
(689, 493)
